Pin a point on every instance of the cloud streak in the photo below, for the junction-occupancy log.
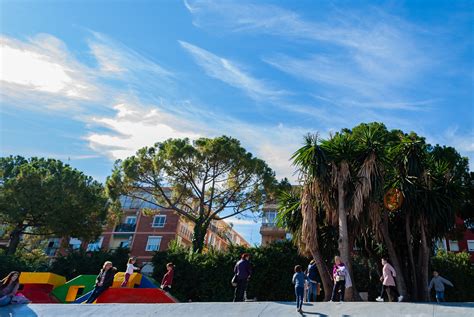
(230, 73)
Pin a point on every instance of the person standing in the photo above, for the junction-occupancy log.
(312, 278)
(168, 278)
(299, 280)
(388, 282)
(438, 282)
(104, 280)
(129, 271)
(242, 271)
(340, 275)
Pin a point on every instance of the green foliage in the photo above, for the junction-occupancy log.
(198, 180)
(457, 268)
(44, 196)
(83, 262)
(206, 277)
(22, 262)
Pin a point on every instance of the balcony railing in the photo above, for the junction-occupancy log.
(269, 224)
(125, 227)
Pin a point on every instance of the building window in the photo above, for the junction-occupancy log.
(124, 244)
(131, 220)
(269, 218)
(153, 243)
(95, 246)
(470, 245)
(75, 244)
(159, 221)
(453, 245)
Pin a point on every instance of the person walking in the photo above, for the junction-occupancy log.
(312, 278)
(129, 271)
(104, 280)
(438, 282)
(299, 280)
(341, 279)
(167, 280)
(388, 282)
(242, 273)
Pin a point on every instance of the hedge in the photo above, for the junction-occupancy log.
(207, 276)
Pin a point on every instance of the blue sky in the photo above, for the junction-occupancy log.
(92, 81)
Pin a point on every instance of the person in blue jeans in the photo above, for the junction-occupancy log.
(312, 277)
(299, 279)
(104, 280)
(438, 282)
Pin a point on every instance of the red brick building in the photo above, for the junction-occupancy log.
(147, 232)
(463, 241)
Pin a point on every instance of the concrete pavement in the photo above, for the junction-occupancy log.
(249, 309)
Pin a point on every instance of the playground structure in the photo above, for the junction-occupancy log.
(49, 288)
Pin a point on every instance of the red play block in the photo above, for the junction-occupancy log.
(38, 293)
(135, 295)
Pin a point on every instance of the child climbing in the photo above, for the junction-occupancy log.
(129, 271)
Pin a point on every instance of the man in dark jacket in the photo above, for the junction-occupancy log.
(242, 271)
(104, 280)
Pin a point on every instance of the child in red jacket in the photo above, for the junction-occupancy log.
(168, 278)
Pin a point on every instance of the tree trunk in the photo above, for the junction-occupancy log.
(15, 239)
(414, 291)
(343, 241)
(198, 237)
(425, 259)
(323, 273)
(401, 285)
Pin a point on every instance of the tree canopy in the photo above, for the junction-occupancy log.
(204, 180)
(46, 197)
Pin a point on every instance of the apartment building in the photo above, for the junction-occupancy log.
(144, 229)
(269, 230)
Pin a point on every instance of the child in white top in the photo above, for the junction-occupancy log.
(129, 271)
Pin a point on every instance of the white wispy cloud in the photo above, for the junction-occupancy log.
(365, 56)
(230, 73)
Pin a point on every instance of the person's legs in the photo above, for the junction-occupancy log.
(240, 290)
(125, 280)
(389, 291)
(5, 300)
(335, 289)
(299, 291)
(95, 293)
(439, 297)
(343, 290)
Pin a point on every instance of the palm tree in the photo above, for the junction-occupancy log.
(290, 217)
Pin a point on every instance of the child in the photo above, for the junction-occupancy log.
(299, 279)
(388, 281)
(168, 278)
(9, 288)
(129, 270)
(341, 279)
(104, 280)
(438, 283)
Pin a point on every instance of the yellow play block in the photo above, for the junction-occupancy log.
(134, 279)
(42, 278)
(72, 292)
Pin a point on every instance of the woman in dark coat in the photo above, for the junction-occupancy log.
(104, 280)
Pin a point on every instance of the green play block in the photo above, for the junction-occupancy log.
(88, 281)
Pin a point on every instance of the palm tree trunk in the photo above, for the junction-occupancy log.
(414, 292)
(425, 258)
(343, 241)
(401, 285)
